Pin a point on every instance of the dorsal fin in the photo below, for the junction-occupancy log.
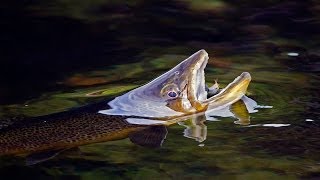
(152, 136)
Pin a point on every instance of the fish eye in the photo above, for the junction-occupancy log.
(172, 94)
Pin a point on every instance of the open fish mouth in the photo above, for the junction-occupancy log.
(178, 92)
(197, 93)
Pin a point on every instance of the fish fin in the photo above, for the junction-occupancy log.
(40, 157)
(152, 136)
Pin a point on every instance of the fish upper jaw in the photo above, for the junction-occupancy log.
(196, 85)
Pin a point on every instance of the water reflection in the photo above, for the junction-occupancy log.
(195, 128)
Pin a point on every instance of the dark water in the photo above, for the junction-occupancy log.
(54, 53)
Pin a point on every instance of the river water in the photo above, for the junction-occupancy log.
(55, 53)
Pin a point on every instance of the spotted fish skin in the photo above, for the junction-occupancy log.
(62, 131)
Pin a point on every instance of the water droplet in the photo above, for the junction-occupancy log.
(269, 125)
(275, 125)
(293, 54)
(309, 120)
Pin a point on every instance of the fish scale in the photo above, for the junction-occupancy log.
(63, 132)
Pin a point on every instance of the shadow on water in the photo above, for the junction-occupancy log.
(65, 54)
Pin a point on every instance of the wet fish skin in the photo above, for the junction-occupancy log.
(63, 130)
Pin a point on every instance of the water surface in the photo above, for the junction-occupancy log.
(56, 54)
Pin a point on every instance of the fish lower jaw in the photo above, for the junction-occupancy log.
(230, 94)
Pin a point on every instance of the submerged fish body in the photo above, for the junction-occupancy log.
(63, 131)
(42, 138)
(140, 114)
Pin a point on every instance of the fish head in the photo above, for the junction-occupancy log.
(174, 87)
(179, 91)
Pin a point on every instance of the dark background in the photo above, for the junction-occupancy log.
(42, 42)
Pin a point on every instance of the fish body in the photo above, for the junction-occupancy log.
(140, 114)
(63, 131)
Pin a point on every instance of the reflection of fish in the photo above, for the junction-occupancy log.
(241, 112)
(195, 128)
(176, 94)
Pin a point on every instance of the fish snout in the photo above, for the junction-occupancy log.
(201, 54)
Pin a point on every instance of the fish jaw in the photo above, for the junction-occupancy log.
(231, 93)
(197, 94)
(196, 84)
